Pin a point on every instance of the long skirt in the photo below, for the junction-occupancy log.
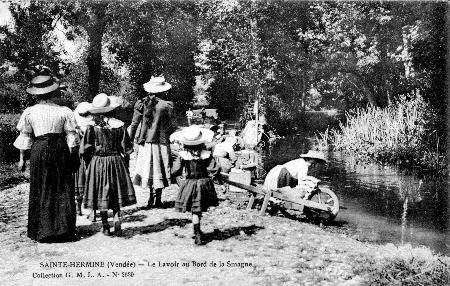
(279, 177)
(80, 178)
(196, 195)
(108, 185)
(51, 211)
(153, 166)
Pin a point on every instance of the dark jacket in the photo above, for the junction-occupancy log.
(157, 121)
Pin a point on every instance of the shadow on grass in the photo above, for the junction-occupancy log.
(167, 223)
(85, 231)
(165, 205)
(131, 211)
(230, 232)
(134, 218)
(6, 183)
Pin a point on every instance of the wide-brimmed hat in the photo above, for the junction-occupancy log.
(43, 84)
(103, 103)
(157, 85)
(82, 115)
(194, 135)
(314, 155)
(207, 134)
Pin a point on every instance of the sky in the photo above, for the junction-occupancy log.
(5, 15)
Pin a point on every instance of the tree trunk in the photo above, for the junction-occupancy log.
(95, 29)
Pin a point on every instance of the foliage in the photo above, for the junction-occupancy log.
(292, 56)
(157, 38)
(312, 55)
(409, 266)
(13, 97)
(226, 95)
(8, 133)
(395, 134)
(30, 41)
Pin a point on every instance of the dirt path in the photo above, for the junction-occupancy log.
(244, 248)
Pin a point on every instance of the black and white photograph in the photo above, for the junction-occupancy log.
(224, 142)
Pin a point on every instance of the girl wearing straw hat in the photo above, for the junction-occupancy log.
(294, 174)
(49, 131)
(108, 184)
(154, 115)
(197, 191)
(83, 119)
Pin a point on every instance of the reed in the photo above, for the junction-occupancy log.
(396, 134)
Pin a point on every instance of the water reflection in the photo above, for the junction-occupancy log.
(383, 204)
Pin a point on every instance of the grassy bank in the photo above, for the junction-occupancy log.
(406, 265)
(276, 250)
(398, 134)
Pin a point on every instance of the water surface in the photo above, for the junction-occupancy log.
(382, 204)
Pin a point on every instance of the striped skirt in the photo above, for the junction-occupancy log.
(153, 166)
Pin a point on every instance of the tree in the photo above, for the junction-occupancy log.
(157, 38)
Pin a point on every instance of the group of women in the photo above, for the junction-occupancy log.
(94, 146)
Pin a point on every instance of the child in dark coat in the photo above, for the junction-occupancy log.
(108, 184)
(197, 191)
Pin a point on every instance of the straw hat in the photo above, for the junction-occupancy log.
(314, 155)
(194, 135)
(157, 85)
(81, 116)
(102, 103)
(208, 135)
(43, 84)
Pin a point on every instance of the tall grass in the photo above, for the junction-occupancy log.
(409, 266)
(396, 134)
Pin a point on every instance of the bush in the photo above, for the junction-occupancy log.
(398, 134)
(409, 266)
(8, 133)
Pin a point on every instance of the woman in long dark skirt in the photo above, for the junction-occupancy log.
(49, 131)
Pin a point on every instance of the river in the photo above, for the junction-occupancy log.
(381, 204)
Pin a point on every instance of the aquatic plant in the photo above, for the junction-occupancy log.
(398, 134)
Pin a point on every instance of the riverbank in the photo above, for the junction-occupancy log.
(404, 134)
(157, 249)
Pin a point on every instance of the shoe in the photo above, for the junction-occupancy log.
(198, 235)
(73, 238)
(79, 209)
(117, 228)
(158, 202)
(151, 201)
(106, 231)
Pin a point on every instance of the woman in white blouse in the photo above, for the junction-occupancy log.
(49, 131)
(225, 155)
(294, 174)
